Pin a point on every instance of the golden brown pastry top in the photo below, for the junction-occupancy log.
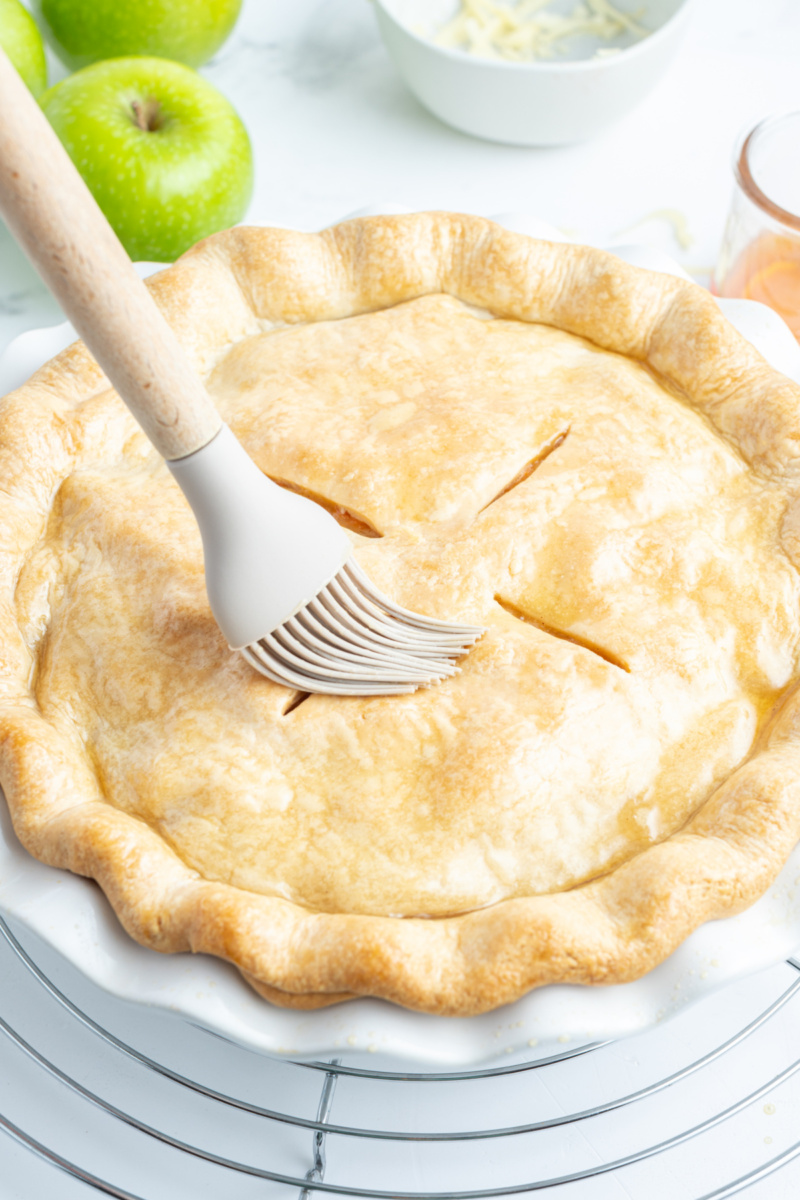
(581, 456)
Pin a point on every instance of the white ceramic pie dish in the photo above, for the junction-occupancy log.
(72, 915)
(548, 102)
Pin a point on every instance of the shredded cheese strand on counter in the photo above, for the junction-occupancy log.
(525, 30)
(673, 217)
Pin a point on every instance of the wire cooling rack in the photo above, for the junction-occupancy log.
(340, 1128)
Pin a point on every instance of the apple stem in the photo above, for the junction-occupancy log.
(147, 114)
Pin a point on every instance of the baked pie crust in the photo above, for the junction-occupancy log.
(582, 456)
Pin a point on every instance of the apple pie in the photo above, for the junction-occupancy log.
(581, 456)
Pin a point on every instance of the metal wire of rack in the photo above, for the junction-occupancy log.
(323, 1127)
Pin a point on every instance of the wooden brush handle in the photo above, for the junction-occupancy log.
(56, 220)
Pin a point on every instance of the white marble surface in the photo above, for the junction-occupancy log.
(333, 130)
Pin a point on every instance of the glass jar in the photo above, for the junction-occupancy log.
(760, 254)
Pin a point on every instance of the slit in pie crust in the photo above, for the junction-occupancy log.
(579, 455)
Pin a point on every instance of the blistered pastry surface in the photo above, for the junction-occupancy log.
(621, 527)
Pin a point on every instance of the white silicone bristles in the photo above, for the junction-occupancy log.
(351, 640)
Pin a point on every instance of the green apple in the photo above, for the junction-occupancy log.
(22, 42)
(163, 152)
(84, 31)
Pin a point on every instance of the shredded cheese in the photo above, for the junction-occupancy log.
(673, 217)
(525, 30)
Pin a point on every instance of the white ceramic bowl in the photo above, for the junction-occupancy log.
(541, 103)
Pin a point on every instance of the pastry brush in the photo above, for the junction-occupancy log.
(280, 574)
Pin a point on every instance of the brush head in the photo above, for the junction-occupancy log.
(286, 591)
(351, 640)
